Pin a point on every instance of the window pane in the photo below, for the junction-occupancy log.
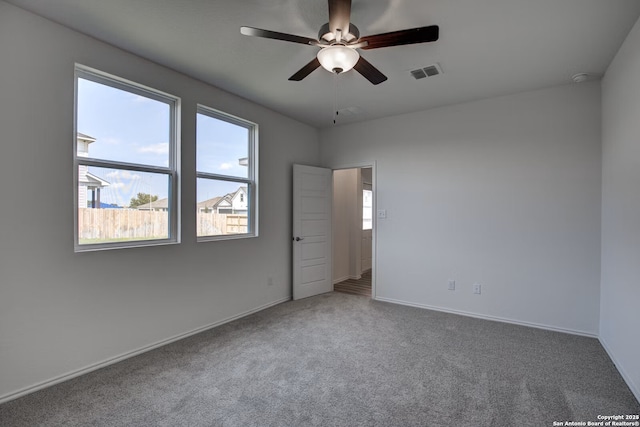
(367, 209)
(222, 208)
(122, 126)
(222, 147)
(116, 205)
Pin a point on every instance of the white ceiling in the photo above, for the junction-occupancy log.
(487, 47)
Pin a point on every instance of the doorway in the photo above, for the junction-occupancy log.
(352, 231)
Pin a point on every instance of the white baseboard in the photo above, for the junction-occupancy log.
(340, 279)
(635, 388)
(487, 317)
(76, 373)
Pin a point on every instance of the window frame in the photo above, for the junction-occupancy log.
(172, 170)
(251, 181)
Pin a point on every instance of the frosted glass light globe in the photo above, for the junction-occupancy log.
(338, 58)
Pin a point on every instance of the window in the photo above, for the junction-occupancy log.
(367, 209)
(226, 170)
(125, 163)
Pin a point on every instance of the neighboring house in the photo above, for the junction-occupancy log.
(161, 205)
(89, 185)
(232, 203)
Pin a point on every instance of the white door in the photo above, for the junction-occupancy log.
(312, 188)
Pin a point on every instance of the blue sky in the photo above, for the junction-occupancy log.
(135, 129)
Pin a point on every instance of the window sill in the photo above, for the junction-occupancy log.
(203, 239)
(123, 245)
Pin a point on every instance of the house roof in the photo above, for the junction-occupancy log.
(216, 201)
(209, 203)
(158, 204)
(96, 181)
(85, 137)
(109, 206)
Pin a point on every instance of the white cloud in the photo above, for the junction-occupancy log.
(226, 166)
(122, 174)
(140, 99)
(117, 185)
(129, 175)
(161, 148)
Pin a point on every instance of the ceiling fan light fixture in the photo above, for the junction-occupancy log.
(338, 40)
(338, 58)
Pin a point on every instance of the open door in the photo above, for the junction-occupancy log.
(312, 187)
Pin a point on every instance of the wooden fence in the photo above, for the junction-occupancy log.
(213, 224)
(121, 224)
(104, 225)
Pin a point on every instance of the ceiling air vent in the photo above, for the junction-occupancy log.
(431, 70)
(418, 74)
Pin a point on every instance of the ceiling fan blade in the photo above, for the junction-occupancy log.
(397, 38)
(369, 72)
(339, 16)
(306, 70)
(257, 32)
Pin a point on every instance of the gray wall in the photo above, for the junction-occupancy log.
(620, 288)
(504, 192)
(60, 311)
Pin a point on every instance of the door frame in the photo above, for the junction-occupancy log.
(374, 230)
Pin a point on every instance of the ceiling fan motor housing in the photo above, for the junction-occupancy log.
(347, 37)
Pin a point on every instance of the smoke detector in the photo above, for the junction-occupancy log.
(580, 77)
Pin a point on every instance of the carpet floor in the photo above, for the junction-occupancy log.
(344, 360)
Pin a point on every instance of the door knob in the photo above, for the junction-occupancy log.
(299, 238)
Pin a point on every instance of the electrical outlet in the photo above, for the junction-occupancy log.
(452, 285)
(477, 289)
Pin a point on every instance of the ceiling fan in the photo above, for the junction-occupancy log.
(338, 40)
